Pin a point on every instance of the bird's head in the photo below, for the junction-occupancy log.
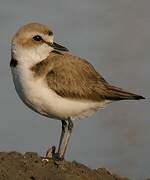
(35, 41)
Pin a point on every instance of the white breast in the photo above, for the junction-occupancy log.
(36, 94)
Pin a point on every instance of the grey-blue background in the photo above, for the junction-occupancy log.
(115, 36)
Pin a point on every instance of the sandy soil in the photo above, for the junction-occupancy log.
(29, 166)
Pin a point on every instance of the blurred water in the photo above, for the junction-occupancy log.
(114, 36)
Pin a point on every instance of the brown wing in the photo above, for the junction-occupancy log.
(73, 77)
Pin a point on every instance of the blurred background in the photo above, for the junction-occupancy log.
(114, 35)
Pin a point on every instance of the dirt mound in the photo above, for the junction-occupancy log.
(30, 166)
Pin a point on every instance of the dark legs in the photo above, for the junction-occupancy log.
(67, 126)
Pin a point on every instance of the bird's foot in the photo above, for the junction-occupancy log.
(57, 157)
(51, 154)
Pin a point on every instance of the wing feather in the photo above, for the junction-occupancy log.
(72, 77)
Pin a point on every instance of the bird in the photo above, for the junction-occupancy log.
(53, 82)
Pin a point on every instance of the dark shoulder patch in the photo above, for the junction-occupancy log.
(13, 62)
(40, 68)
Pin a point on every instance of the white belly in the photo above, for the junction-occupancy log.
(36, 94)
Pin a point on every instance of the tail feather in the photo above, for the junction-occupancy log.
(116, 93)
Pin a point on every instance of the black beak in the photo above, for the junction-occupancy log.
(58, 47)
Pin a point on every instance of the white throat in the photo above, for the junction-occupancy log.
(30, 56)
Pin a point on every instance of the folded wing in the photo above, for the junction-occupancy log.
(75, 78)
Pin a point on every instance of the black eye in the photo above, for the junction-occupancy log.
(50, 33)
(37, 38)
